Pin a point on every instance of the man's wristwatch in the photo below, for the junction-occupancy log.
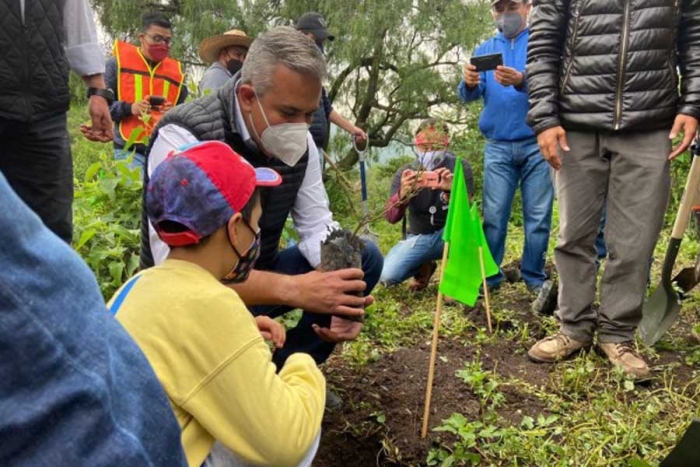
(107, 94)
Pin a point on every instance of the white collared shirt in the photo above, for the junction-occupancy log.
(311, 212)
(83, 51)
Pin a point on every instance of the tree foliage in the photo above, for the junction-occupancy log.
(393, 61)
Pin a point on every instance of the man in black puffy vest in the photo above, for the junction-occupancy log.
(604, 102)
(40, 40)
(263, 113)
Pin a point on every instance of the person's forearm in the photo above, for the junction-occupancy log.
(95, 81)
(269, 288)
(341, 121)
(395, 209)
(467, 94)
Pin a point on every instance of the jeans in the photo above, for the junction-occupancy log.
(303, 338)
(73, 385)
(36, 159)
(139, 160)
(506, 164)
(407, 256)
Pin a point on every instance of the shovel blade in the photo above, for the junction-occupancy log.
(659, 313)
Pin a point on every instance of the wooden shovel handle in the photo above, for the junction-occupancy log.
(689, 195)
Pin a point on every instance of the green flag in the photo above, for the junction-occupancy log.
(462, 276)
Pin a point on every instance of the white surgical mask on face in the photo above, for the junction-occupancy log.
(287, 142)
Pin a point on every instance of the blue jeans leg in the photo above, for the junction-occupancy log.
(406, 257)
(303, 338)
(500, 181)
(538, 196)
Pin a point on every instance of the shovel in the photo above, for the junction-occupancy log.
(662, 308)
(688, 278)
(367, 233)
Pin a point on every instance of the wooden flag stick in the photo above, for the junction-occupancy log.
(486, 289)
(433, 350)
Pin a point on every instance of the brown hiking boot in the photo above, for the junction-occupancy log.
(421, 280)
(624, 355)
(554, 348)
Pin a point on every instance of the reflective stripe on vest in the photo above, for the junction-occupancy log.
(136, 80)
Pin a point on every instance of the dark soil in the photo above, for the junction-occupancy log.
(381, 418)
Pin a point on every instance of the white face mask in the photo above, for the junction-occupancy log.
(287, 142)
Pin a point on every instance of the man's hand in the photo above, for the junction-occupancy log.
(471, 77)
(408, 184)
(167, 105)
(138, 108)
(101, 128)
(271, 330)
(445, 179)
(332, 292)
(689, 127)
(341, 330)
(359, 134)
(508, 76)
(550, 141)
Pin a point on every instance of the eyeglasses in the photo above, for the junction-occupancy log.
(158, 39)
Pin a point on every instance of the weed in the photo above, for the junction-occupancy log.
(107, 214)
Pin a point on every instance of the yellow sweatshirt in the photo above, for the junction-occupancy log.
(215, 367)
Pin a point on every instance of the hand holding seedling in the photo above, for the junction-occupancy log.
(333, 292)
(340, 330)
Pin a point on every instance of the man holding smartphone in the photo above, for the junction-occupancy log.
(511, 155)
(147, 83)
(420, 192)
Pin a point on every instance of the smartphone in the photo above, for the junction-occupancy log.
(156, 101)
(487, 62)
(429, 179)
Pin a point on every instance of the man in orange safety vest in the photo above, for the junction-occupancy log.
(147, 83)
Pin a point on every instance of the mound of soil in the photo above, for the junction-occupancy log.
(381, 418)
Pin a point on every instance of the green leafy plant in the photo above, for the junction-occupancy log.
(483, 383)
(107, 215)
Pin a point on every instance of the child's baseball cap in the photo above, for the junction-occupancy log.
(201, 187)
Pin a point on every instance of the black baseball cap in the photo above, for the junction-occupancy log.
(315, 23)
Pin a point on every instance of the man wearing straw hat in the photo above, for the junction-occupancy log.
(225, 54)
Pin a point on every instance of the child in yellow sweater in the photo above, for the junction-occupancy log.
(205, 347)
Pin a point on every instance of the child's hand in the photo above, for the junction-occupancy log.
(271, 330)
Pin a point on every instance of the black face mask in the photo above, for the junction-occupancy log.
(234, 66)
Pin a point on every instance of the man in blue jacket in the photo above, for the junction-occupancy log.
(511, 153)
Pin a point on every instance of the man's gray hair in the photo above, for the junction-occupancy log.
(282, 46)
